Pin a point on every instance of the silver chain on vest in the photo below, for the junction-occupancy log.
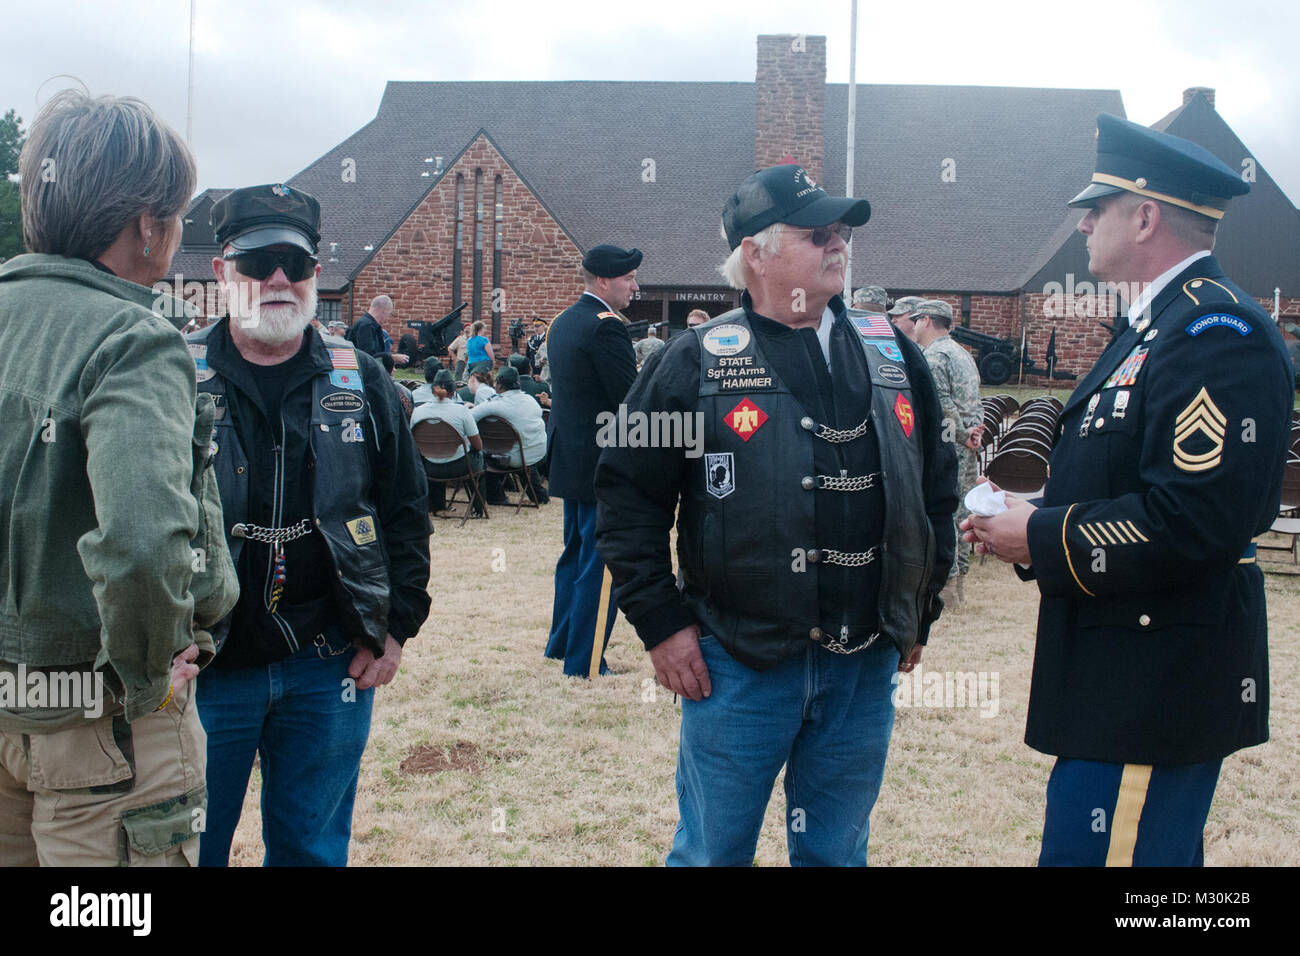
(846, 483)
(848, 559)
(839, 648)
(271, 535)
(836, 435)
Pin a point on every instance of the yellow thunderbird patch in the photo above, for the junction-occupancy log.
(1203, 416)
(362, 529)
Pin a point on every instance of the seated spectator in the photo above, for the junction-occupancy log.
(478, 349)
(529, 385)
(445, 408)
(424, 393)
(478, 388)
(525, 415)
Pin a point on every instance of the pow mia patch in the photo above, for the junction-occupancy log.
(342, 402)
(200, 355)
(362, 529)
(726, 339)
(1201, 417)
(720, 474)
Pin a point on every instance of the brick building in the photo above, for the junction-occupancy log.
(488, 193)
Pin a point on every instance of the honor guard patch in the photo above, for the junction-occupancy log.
(1201, 417)
(1127, 373)
(343, 358)
(347, 378)
(200, 355)
(726, 339)
(872, 326)
(720, 474)
(1240, 326)
(342, 402)
(745, 419)
(889, 350)
(362, 529)
(903, 409)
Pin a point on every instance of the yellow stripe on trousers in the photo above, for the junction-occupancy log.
(1128, 811)
(598, 639)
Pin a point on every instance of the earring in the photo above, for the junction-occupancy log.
(146, 245)
(146, 252)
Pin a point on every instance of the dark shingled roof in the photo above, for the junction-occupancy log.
(1019, 154)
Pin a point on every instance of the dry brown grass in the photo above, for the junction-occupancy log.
(516, 764)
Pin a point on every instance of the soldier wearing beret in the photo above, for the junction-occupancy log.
(1151, 663)
(325, 509)
(590, 355)
(814, 520)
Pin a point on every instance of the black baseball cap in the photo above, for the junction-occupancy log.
(786, 194)
(274, 215)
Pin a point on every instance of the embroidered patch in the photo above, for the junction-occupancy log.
(889, 350)
(1127, 373)
(720, 474)
(200, 355)
(362, 529)
(903, 409)
(726, 339)
(1240, 326)
(342, 402)
(607, 315)
(745, 419)
(1101, 533)
(872, 325)
(1201, 416)
(343, 358)
(891, 374)
(344, 378)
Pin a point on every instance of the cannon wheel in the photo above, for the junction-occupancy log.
(995, 368)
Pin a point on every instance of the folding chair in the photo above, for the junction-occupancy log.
(439, 439)
(499, 440)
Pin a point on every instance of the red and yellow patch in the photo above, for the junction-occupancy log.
(903, 409)
(745, 419)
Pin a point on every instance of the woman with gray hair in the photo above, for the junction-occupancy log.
(102, 460)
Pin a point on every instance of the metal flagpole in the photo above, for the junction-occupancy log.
(189, 97)
(852, 134)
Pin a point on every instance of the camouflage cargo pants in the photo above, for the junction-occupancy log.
(968, 473)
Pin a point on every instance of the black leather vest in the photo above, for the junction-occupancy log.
(749, 566)
(343, 510)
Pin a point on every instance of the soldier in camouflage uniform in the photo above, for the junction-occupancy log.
(957, 381)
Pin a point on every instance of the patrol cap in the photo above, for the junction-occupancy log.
(869, 295)
(518, 362)
(609, 262)
(933, 307)
(508, 377)
(785, 194)
(258, 216)
(1134, 158)
(906, 305)
(445, 381)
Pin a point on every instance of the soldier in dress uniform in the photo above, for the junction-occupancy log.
(1152, 662)
(590, 351)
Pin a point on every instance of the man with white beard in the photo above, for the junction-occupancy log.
(325, 513)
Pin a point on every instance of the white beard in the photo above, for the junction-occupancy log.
(270, 326)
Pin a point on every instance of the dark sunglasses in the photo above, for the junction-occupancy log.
(262, 263)
(822, 234)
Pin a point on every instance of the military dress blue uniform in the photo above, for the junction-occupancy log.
(593, 366)
(1151, 663)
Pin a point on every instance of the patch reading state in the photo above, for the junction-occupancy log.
(362, 529)
(1201, 416)
(342, 402)
(1240, 326)
(726, 339)
(200, 355)
(903, 410)
(745, 419)
(720, 474)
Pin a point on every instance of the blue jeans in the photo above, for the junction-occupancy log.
(826, 717)
(308, 724)
(584, 608)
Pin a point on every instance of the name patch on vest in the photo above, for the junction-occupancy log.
(726, 340)
(739, 372)
(891, 373)
(342, 402)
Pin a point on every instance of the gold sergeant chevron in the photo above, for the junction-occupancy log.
(1200, 415)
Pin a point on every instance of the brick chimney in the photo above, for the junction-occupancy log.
(1206, 91)
(790, 91)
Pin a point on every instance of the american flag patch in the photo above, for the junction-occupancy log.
(872, 325)
(343, 358)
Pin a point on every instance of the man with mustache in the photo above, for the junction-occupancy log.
(325, 510)
(801, 594)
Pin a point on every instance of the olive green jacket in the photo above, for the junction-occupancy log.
(103, 466)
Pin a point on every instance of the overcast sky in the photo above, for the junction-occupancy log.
(278, 84)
